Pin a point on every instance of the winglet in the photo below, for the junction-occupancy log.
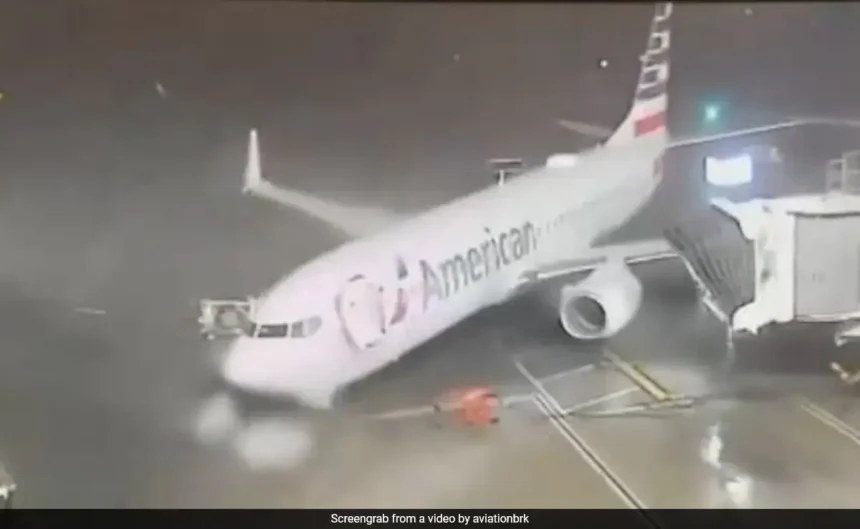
(253, 176)
(354, 221)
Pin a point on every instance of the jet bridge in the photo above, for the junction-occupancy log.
(794, 258)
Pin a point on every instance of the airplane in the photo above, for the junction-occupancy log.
(397, 283)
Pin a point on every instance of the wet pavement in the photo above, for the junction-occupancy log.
(753, 436)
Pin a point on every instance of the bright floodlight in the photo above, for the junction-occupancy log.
(729, 172)
(712, 113)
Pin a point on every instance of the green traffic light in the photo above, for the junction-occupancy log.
(712, 113)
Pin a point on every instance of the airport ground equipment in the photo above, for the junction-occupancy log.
(224, 318)
(781, 260)
(475, 406)
(659, 399)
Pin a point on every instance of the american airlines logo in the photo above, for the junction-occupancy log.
(475, 263)
(655, 62)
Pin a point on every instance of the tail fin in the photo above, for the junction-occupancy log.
(648, 113)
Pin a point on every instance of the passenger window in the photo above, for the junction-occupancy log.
(305, 328)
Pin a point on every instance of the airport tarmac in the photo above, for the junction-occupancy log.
(755, 436)
(120, 209)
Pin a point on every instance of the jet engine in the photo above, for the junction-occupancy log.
(602, 304)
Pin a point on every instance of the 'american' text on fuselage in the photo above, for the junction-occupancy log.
(475, 263)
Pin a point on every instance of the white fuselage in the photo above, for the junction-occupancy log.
(447, 264)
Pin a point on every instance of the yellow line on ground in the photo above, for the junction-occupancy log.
(646, 383)
(826, 417)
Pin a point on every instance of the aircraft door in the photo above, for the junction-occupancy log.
(360, 307)
(368, 308)
(398, 298)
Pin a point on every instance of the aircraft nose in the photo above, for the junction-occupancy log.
(243, 368)
(261, 368)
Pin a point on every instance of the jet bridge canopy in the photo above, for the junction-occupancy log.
(718, 257)
(776, 261)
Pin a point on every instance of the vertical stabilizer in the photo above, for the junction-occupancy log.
(647, 116)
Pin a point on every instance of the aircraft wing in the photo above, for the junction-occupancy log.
(631, 253)
(350, 220)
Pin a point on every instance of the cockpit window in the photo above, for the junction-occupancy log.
(300, 329)
(268, 330)
(305, 328)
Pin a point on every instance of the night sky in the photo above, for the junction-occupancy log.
(374, 89)
(381, 104)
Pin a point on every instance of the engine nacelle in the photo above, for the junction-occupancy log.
(602, 304)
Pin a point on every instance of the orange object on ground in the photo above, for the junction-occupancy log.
(474, 406)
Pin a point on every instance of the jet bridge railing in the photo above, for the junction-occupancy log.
(719, 257)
